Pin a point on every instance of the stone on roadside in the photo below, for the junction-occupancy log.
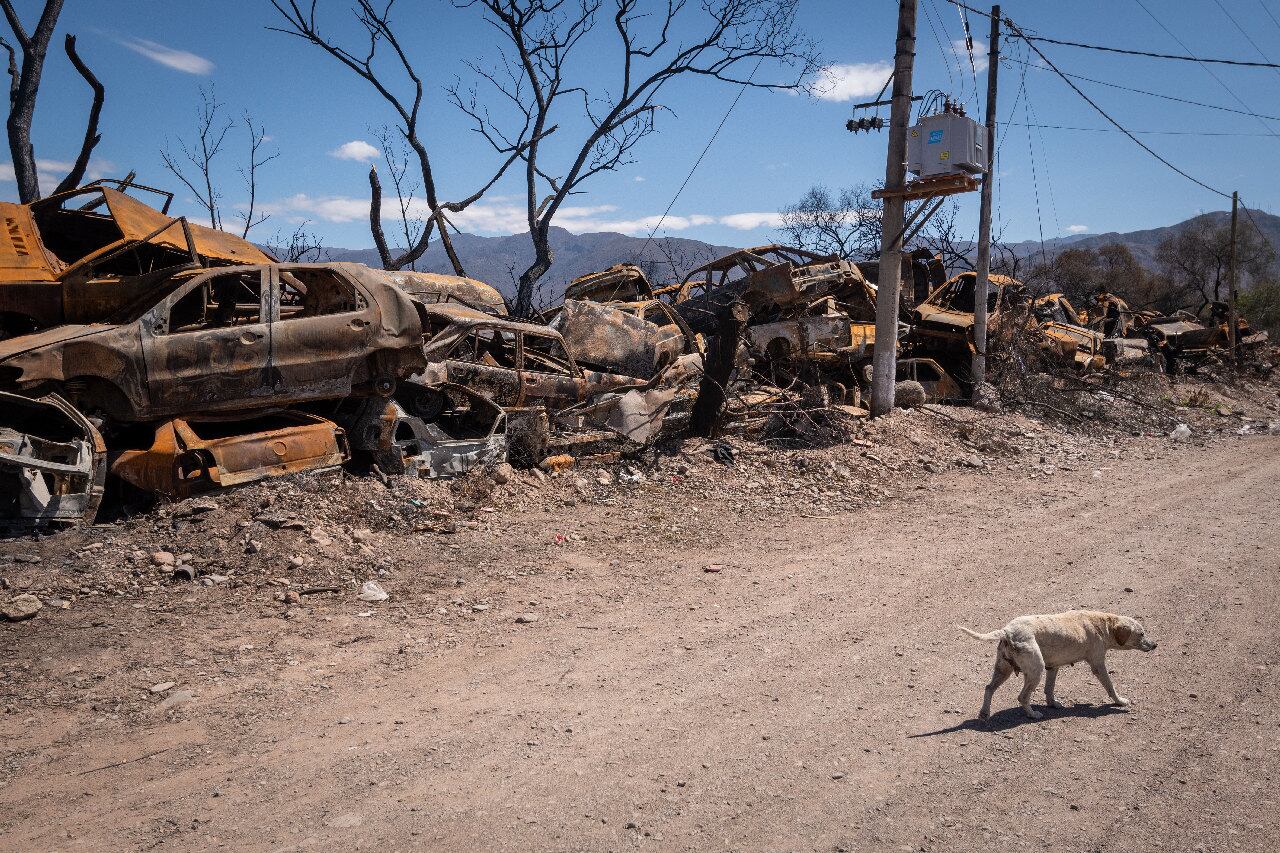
(373, 591)
(502, 473)
(527, 618)
(163, 558)
(21, 607)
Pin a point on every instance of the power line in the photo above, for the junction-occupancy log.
(1261, 234)
(1154, 94)
(698, 162)
(1206, 68)
(1146, 132)
(1269, 15)
(946, 62)
(1107, 116)
(1127, 51)
(1245, 33)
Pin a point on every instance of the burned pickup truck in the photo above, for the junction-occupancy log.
(227, 339)
(82, 255)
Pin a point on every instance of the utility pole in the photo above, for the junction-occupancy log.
(979, 367)
(1233, 331)
(884, 371)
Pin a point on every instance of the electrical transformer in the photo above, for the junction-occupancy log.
(945, 144)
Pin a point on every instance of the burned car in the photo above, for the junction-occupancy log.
(227, 339)
(82, 255)
(433, 432)
(431, 288)
(53, 463)
(942, 325)
(767, 279)
(189, 456)
(514, 364)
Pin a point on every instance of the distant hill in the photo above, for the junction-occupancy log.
(1143, 243)
(500, 260)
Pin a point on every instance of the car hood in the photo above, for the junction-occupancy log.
(926, 313)
(57, 335)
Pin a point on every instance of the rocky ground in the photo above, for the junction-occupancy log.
(738, 645)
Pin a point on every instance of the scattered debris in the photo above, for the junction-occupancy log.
(372, 591)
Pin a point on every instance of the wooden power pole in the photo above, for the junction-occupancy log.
(979, 367)
(1233, 331)
(884, 372)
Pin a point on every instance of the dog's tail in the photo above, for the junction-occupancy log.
(994, 635)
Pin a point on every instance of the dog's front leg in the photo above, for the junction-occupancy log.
(1104, 678)
(1050, 680)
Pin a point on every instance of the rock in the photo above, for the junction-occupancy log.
(217, 578)
(163, 686)
(933, 467)
(1224, 412)
(163, 558)
(527, 618)
(21, 607)
(25, 558)
(631, 476)
(974, 461)
(713, 568)
(320, 537)
(177, 697)
(1181, 433)
(479, 608)
(909, 395)
(372, 591)
(197, 506)
(502, 473)
(603, 478)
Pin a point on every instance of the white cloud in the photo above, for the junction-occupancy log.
(506, 216)
(849, 82)
(1077, 229)
(751, 221)
(356, 149)
(639, 179)
(962, 55)
(179, 60)
(51, 172)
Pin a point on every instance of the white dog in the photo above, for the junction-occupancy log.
(1038, 645)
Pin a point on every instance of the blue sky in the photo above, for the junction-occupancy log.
(154, 55)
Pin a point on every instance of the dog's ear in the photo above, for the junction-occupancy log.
(1122, 634)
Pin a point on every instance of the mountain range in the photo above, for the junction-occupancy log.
(500, 260)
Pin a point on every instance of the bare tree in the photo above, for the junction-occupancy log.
(539, 40)
(845, 223)
(249, 172)
(299, 246)
(669, 259)
(24, 85)
(408, 107)
(211, 134)
(396, 156)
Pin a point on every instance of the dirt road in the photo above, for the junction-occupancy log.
(813, 694)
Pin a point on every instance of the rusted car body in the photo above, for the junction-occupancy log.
(436, 432)
(227, 339)
(943, 324)
(619, 283)
(769, 279)
(514, 364)
(618, 338)
(53, 463)
(82, 255)
(436, 288)
(190, 456)
(939, 385)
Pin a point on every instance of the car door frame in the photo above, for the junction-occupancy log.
(199, 378)
(292, 338)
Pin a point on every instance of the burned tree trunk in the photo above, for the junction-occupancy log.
(718, 365)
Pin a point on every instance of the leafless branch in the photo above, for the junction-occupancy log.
(91, 135)
(538, 39)
(249, 172)
(211, 134)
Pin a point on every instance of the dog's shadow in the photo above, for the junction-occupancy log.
(1012, 717)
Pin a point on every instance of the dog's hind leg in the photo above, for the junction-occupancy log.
(1032, 664)
(1100, 672)
(1003, 670)
(1050, 680)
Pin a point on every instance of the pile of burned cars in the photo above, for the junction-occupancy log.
(144, 353)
